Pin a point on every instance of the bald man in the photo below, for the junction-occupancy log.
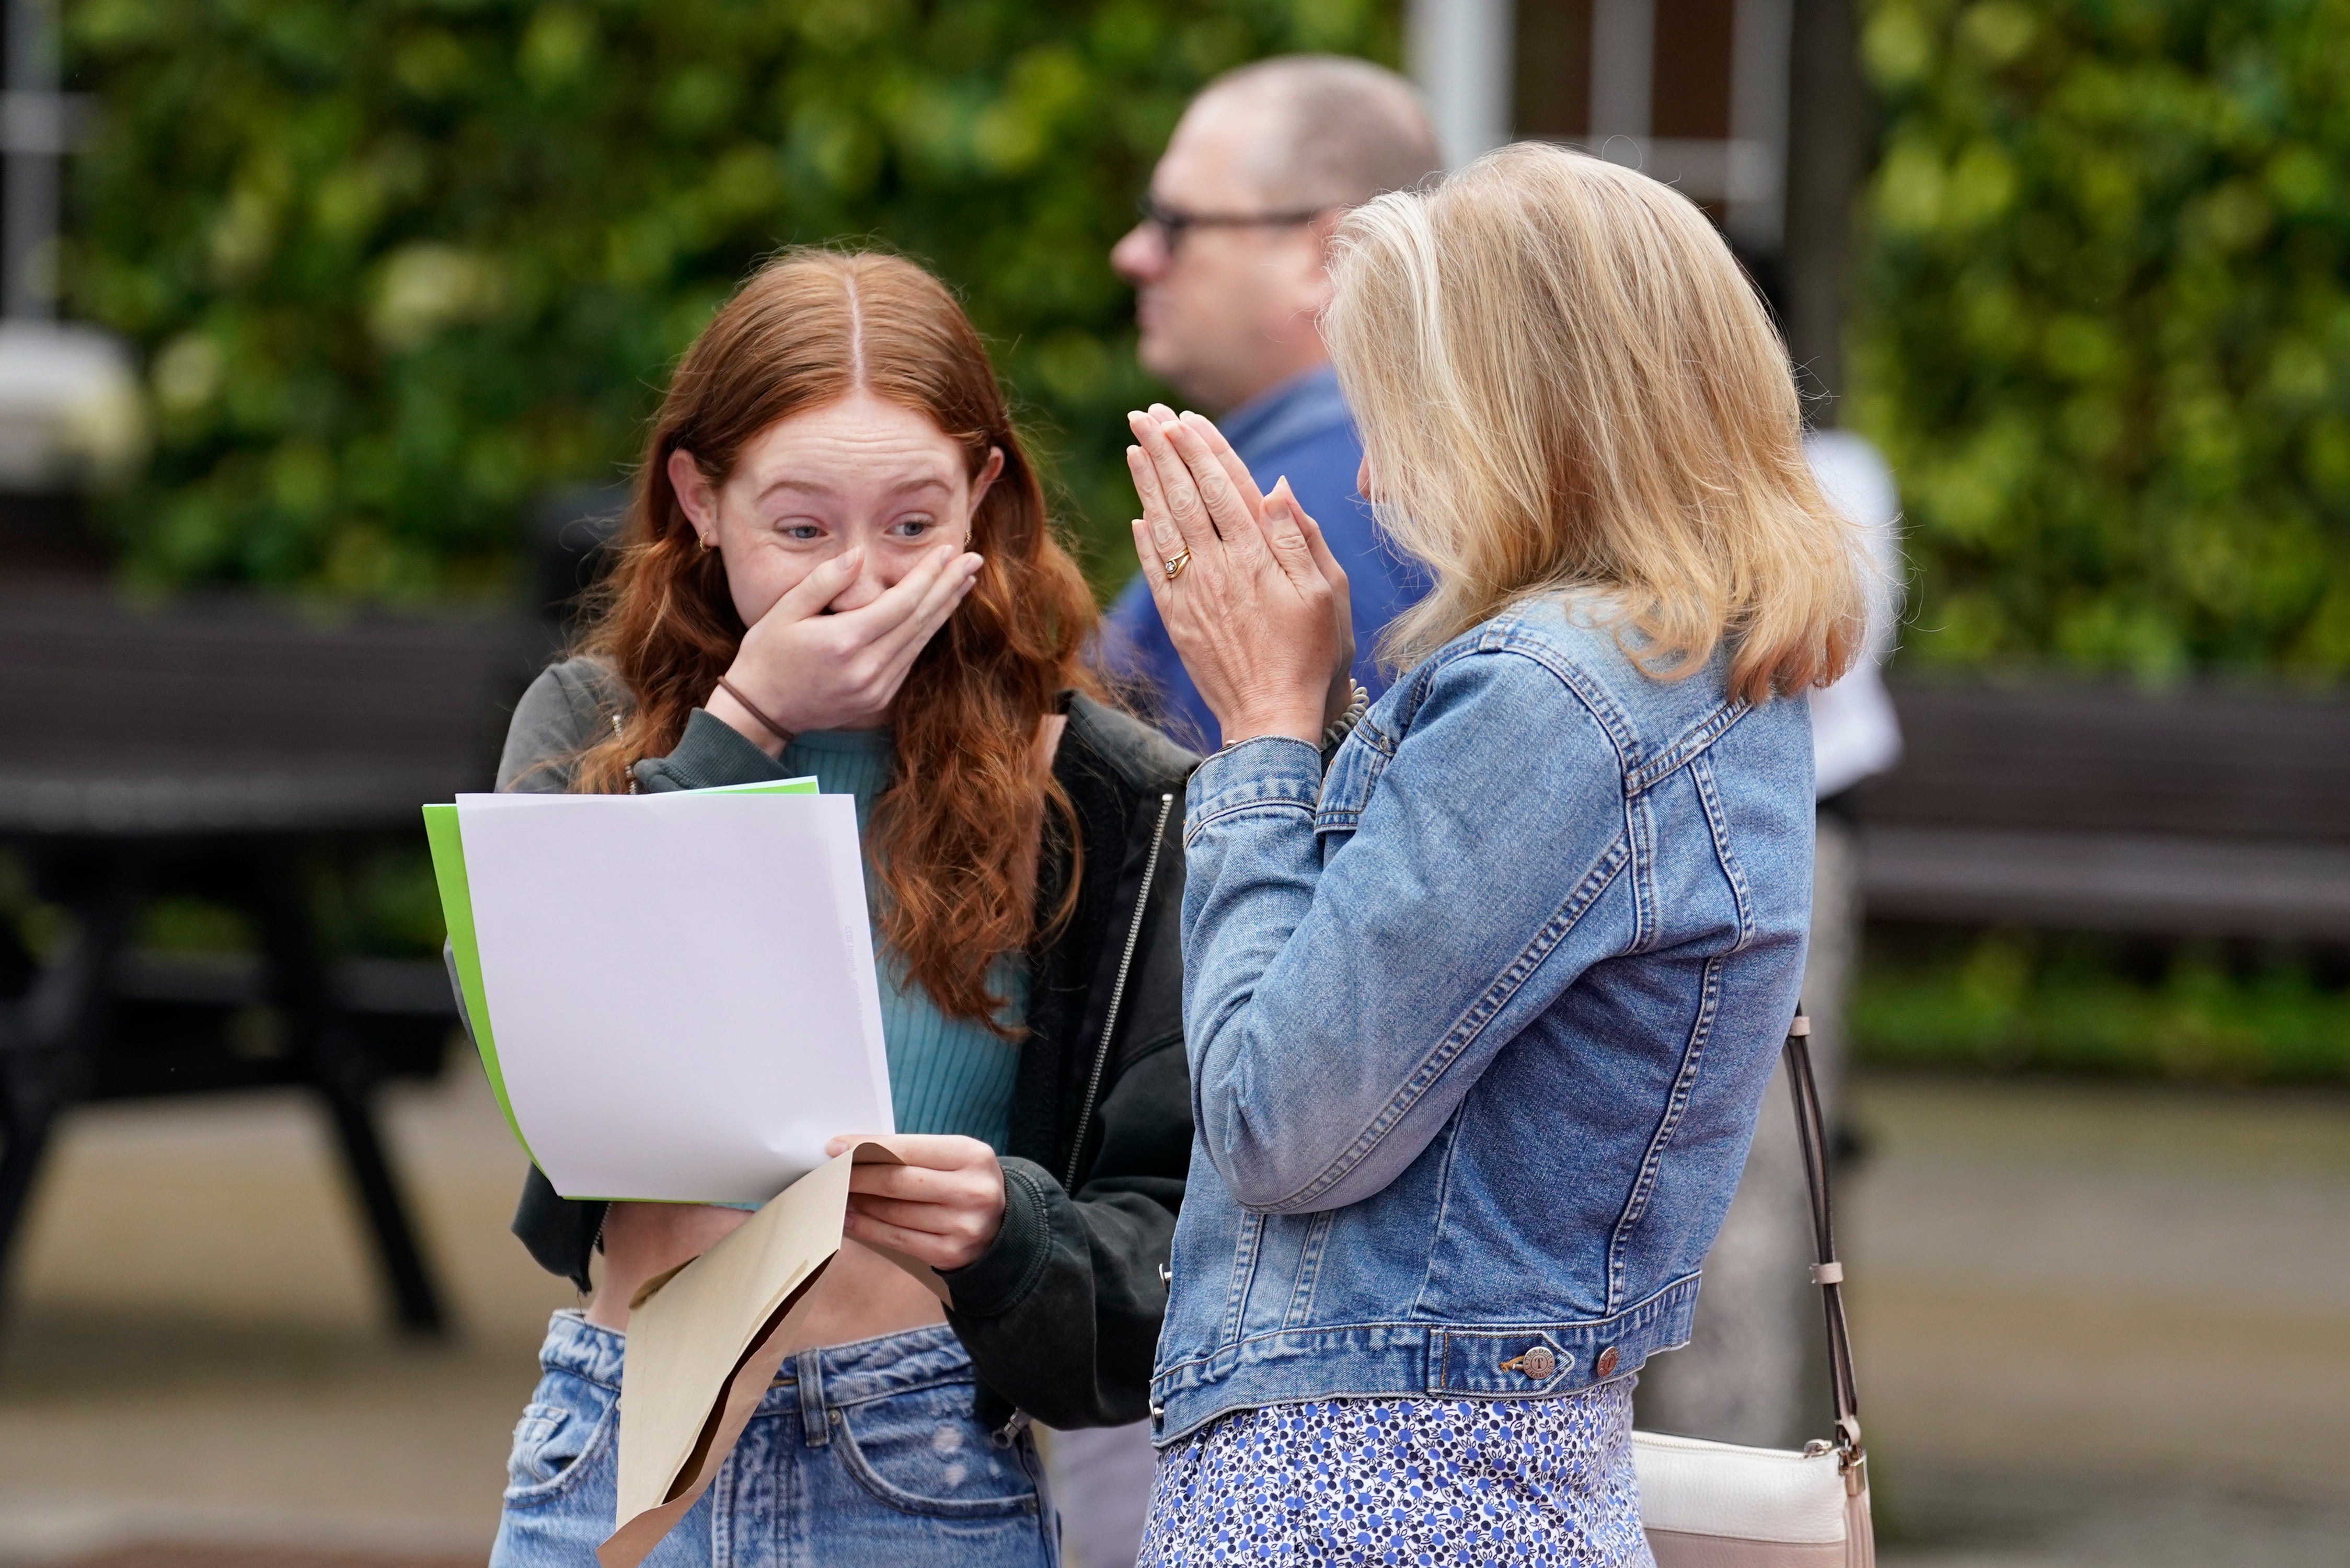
(1230, 272)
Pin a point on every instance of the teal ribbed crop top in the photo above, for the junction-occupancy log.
(946, 1074)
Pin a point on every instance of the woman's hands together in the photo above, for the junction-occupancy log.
(944, 1207)
(1259, 612)
(809, 670)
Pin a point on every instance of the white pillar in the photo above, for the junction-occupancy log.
(70, 402)
(1623, 70)
(1461, 53)
(1762, 37)
(31, 127)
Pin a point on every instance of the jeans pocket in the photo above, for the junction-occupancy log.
(921, 1452)
(568, 1424)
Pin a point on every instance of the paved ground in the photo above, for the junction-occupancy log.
(2105, 1328)
(2100, 1328)
(198, 1353)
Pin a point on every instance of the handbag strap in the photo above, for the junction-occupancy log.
(1810, 1132)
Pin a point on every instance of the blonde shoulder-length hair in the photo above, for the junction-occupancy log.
(1566, 384)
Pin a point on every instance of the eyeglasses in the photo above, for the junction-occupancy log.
(1173, 222)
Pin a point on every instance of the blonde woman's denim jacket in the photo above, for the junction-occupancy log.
(1479, 1023)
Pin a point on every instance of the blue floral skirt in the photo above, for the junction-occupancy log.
(1433, 1484)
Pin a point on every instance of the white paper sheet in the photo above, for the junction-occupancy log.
(682, 986)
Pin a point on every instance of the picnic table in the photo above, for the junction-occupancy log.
(228, 749)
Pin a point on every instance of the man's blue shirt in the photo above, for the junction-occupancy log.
(1301, 429)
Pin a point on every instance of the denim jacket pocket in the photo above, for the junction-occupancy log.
(1353, 773)
(921, 1452)
(567, 1426)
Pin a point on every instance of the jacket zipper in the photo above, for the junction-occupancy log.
(1117, 994)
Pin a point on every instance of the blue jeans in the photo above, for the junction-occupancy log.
(859, 1455)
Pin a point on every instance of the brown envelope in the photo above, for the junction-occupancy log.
(705, 1341)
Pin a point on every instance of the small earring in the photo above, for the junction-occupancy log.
(708, 546)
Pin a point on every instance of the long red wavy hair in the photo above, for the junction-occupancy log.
(955, 838)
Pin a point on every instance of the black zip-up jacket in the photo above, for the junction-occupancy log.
(1061, 1314)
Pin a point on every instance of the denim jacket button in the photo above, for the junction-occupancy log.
(1605, 1363)
(1537, 1364)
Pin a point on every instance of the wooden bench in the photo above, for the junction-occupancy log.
(2203, 812)
(226, 750)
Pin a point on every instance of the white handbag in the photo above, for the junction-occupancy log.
(1717, 1505)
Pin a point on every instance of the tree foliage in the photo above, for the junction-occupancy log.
(401, 268)
(2104, 328)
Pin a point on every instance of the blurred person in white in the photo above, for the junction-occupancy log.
(1227, 265)
(1749, 1374)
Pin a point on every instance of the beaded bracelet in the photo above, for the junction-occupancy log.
(1335, 733)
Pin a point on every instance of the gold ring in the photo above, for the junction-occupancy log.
(1175, 565)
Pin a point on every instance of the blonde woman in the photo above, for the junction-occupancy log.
(1479, 1006)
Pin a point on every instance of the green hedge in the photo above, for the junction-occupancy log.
(2104, 330)
(401, 268)
(2069, 1003)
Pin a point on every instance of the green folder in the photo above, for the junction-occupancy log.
(448, 846)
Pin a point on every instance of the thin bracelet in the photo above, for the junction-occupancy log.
(787, 736)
